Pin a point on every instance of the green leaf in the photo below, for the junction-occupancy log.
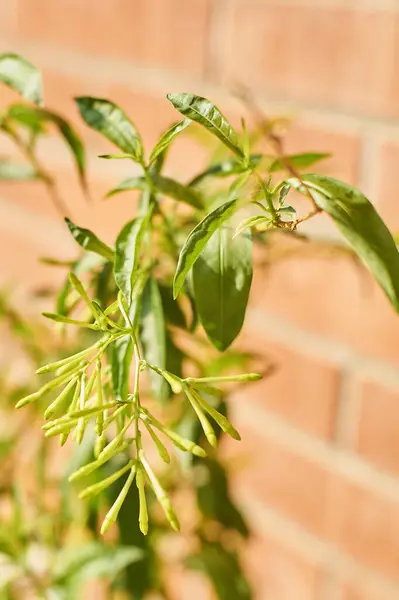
(32, 114)
(251, 222)
(222, 278)
(115, 156)
(93, 561)
(361, 225)
(140, 577)
(222, 567)
(176, 190)
(20, 75)
(17, 172)
(167, 137)
(89, 241)
(127, 253)
(131, 183)
(207, 114)
(165, 185)
(197, 240)
(153, 336)
(226, 168)
(171, 308)
(298, 161)
(110, 120)
(121, 358)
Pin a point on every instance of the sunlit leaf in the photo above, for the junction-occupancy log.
(167, 138)
(207, 114)
(89, 241)
(153, 335)
(112, 122)
(20, 75)
(222, 278)
(361, 225)
(197, 240)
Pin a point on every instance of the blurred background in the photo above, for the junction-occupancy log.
(317, 472)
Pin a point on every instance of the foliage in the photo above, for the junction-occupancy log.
(133, 386)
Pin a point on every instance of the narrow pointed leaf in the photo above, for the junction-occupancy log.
(89, 241)
(197, 240)
(178, 191)
(251, 222)
(32, 113)
(131, 183)
(20, 75)
(226, 168)
(207, 114)
(127, 253)
(222, 278)
(110, 120)
(361, 225)
(299, 161)
(167, 138)
(153, 336)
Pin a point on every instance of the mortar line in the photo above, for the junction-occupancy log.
(281, 330)
(360, 5)
(152, 79)
(318, 451)
(283, 530)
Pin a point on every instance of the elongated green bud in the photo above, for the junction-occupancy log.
(228, 378)
(113, 512)
(50, 410)
(77, 414)
(31, 398)
(112, 308)
(97, 488)
(63, 439)
(52, 385)
(64, 427)
(160, 493)
(114, 415)
(109, 449)
(72, 367)
(61, 319)
(78, 285)
(220, 419)
(101, 414)
(95, 464)
(174, 381)
(205, 424)
(61, 363)
(163, 453)
(100, 443)
(143, 512)
(179, 441)
(81, 427)
(209, 389)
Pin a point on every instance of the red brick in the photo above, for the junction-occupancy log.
(361, 591)
(276, 572)
(331, 297)
(365, 525)
(281, 480)
(343, 147)
(316, 54)
(378, 438)
(8, 18)
(301, 388)
(153, 33)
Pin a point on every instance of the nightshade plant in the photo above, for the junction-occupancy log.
(208, 273)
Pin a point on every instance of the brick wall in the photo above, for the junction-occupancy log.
(320, 437)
